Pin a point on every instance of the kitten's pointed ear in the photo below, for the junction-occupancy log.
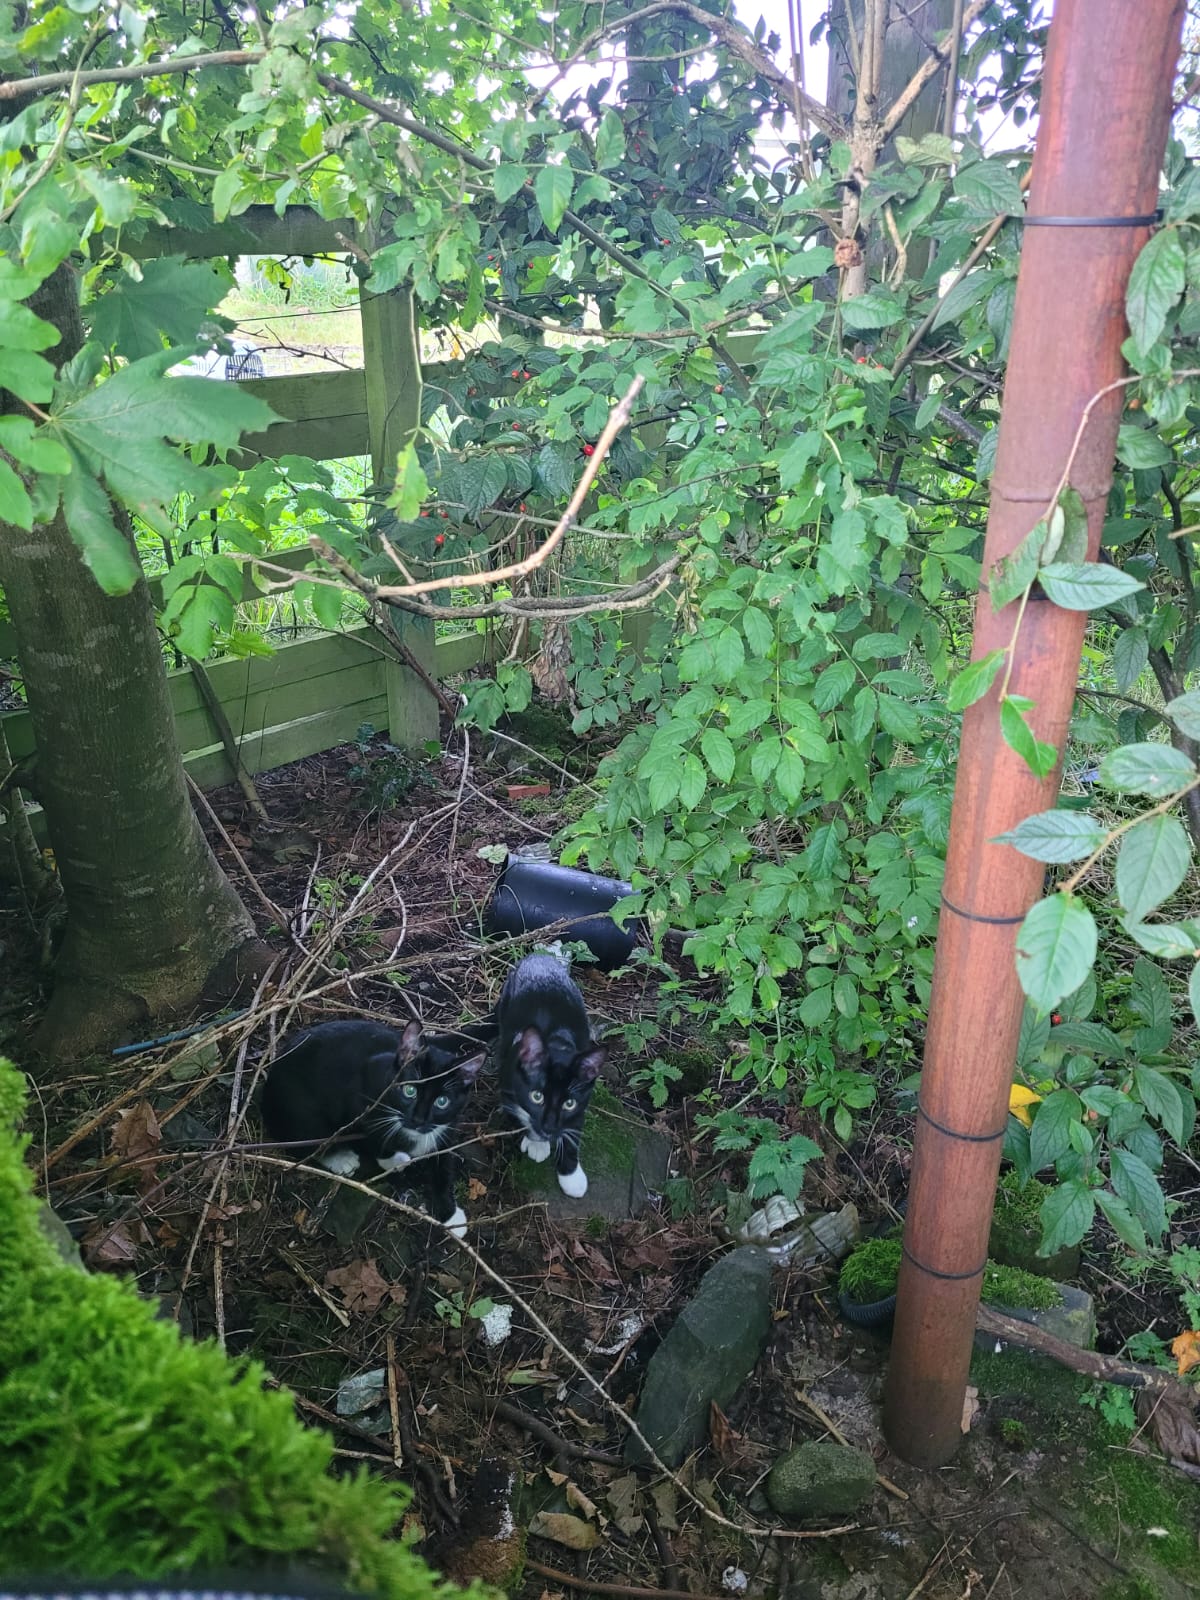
(531, 1050)
(468, 1071)
(590, 1065)
(411, 1041)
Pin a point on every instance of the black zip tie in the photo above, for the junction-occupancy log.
(946, 1277)
(977, 916)
(1146, 221)
(952, 1133)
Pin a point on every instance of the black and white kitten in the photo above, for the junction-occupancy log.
(356, 1090)
(549, 1064)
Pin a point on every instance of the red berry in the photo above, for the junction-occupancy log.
(589, 449)
(424, 513)
(527, 376)
(862, 360)
(445, 515)
(720, 389)
(491, 258)
(516, 427)
(516, 374)
(472, 391)
(441, 539)
(1056, 1017)
(664, 241)
(522, 505)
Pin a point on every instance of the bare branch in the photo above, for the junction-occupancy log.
(33, 88)
(938, 57)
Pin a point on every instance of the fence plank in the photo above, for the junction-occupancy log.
(300, 231)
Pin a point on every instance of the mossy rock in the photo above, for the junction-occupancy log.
(1017, 1232)
(625, 1160)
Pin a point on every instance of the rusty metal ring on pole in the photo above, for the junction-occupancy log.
(1146, 221)
(947, 1277)
(978, 916)
(953, 1133)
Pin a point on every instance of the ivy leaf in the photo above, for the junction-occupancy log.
(1087, 585)
(1056, 949)
(1141, 447)
(1039, 757)
(1013, 574)
(1130, 655)
(174, 297)
(1055, 836)
(974, 681)
(1156, 770)
(1066, 1215)
(89, 518)
(1152, 863)
(1184, 712)
(508, 180)
(719, 753)
(553, 188)
(1155, 284)
(1162, 1100)
(610, 141)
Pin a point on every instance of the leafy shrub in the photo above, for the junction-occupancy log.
(131, 1451)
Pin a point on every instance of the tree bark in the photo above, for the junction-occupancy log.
(154, 928)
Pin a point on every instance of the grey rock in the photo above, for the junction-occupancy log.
(1074, 1321)
(709, 1353)
(56, 1231)
(626, 1161)
(821, 1479)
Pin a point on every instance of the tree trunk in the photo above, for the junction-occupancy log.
(154, 927)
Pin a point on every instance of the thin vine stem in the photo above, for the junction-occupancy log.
(1073, 882)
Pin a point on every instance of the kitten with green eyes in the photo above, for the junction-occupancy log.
(359, 1095)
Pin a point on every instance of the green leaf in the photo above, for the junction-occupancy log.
(556, 466)
(1170, 941)
(719, 753)
(1139, 1188)
(766, 758)
(1012, 575)
(1155, 770)
(1066, 1215)
(833, 685)
(29, 376)
(795, 460)
(1056, 949)
(553, 188)
(1051, 1134)
(1130, 655)
(990, 188)
(508, 180)
(1152, 863)
(1092, 1038)
(1124, 1224)
(1162, 1100)
(1086, 586)
(692, 783)
(174, 297)
(31, 447)
(1155, 284)
(610, 141)
(481, 482)
(974, 681)
(1055, 836)
(760, 635)
(900, 719)
(824, 853)
(1184, 712)
(1072, 543)
(878, 309)
(789, 775)
(15, 504)
(1140, 447)
(412, 486)
(1194, 991)
(21, 330)
(1039, 757)
(90, 523)
(227, 189)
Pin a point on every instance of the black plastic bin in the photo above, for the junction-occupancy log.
(536, 894)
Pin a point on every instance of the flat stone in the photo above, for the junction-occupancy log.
(1074, 1321)
(821, 1479)
(710, 1351)
(56, 1231)
(625, 1159)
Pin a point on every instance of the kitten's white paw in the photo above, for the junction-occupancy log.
(573, 1183)
(535, 1149)
(457, 1224)
(344, 1163)
(393, 1163)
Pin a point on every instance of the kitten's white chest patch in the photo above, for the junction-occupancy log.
(535, 1149)
(573, 1183)
(344, 1163)
(422, 1144)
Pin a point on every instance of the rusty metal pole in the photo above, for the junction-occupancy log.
(1105, 111)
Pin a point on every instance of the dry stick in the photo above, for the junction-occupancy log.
(937, 57)
(225, 733)
(261, 895)
(541, 1430)
(951, 108)
(391, 633)
(20, 88)
(394, 1402)
(989, 233)
(547, 1332)
(593, 1586)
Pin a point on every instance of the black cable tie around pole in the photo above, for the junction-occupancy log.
(953, 1133)
(1147, 220)
(978, 916)
(946, 1277)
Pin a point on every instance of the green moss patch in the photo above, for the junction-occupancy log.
(870, 1273)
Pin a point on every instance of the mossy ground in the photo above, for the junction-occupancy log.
(870, 1272)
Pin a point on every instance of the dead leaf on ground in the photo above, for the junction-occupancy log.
(363, 1287)
(575, 1495)
(572, 1532)
(475, 1189)
(136, 1133)
(666, 1505)
(113, 1246)
(1171, 1417)
(622, 1501)
(1186, 1350)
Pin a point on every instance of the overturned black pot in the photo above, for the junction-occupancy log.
(536, 894)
